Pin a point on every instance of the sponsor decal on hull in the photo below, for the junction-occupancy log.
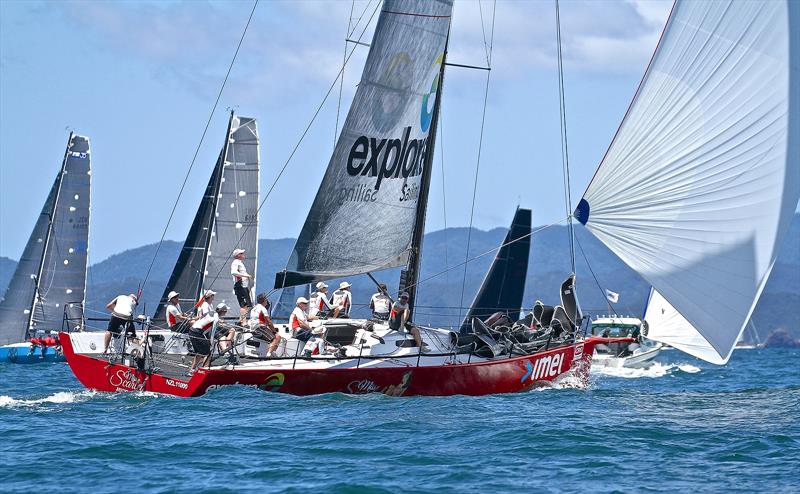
(544, 367)
(126, 380)
(273, 382)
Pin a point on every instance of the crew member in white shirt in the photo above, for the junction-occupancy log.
(319, 303)
(241, 284)
(121, 308)
(381, 304)
(342, 300)
(261, 324)
(174, 313)
(206, 307)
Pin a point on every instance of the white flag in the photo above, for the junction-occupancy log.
(612, 297)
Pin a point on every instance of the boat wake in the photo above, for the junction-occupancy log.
(656, 370)
(60, 397)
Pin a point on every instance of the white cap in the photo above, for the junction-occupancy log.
(172, 295)
(209, 293)
(344, 285)
(321, 285)
(134, 297)
(222, 306)
(302, 300)
(404, 294)
(236, 252)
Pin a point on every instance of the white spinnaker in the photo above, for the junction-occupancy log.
(700, 183)
(667, 325)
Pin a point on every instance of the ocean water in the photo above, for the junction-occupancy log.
(681, 425)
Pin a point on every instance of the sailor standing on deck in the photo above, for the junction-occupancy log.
(318, 304)
(174, 313)
(342, 300)
(121, 316)
(241, 284)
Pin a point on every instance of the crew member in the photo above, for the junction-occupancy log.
(200, 339)
(299, 318)
(206, 307)
(174, 313)
(241, 284)
(261, 324)
(398, 320)
(318, 304)
(380, 303)
(121, 316)
(342, 300)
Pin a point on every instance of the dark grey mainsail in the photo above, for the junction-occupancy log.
(504, 285)
(226, 218)
(363, 216)
(51, 273)
(236, 218)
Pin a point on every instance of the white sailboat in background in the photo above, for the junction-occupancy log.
(698, 186)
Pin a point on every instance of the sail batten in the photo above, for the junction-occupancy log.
(698, 186)
(363, 216)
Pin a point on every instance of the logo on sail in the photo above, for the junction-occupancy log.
(429, 100)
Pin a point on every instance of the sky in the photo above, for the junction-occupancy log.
(140, 79)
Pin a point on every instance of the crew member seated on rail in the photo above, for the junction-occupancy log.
(175, 315)
(398, 320)
(261, 324)
(298, 320)
(121, 308)
(318, 304)
(380, 303)
(241, 284)
(201, 332)
(342, 300)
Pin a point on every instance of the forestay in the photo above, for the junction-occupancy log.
(51, 273)
(363, 216)
(698, 187)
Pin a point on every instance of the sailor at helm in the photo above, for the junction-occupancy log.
(241, 283)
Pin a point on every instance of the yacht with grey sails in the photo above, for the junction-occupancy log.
(48, 288)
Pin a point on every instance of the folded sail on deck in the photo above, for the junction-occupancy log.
(504, 285)
(363, 216)
(227, 218)
(51, 273)
(700, 183)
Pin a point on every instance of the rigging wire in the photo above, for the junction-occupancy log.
(564, 144)
(199, 144)
(599, 287)
(444, 189)
(341, 79)
(303, 135)
(480, 148)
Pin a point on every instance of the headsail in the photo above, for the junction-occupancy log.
(227, 217)
(504, 285)
(363, 216)
(700, 183)
(52, 270)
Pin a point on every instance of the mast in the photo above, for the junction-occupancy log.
(214, 205)
(47, 236)
(410, 276)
